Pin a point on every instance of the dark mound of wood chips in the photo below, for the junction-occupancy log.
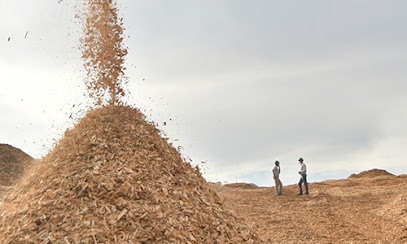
(113, 178)
(242, 185)
(13, 162)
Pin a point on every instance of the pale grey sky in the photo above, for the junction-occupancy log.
(240, 84)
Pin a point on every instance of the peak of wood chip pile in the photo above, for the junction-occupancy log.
(112, 178)
(13, 162)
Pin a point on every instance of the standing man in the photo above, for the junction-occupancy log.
(303, 179)
(276, 175)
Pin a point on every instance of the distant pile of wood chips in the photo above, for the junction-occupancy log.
(13, 162)
(370, 174)
(113, 178)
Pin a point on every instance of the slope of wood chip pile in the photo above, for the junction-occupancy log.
(112, 178)
(13, 161)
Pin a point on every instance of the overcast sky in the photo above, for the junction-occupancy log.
(239, 84)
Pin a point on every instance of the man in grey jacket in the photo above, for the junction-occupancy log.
(276, 175)
(303, 179)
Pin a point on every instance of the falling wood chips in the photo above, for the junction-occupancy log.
(112, 178)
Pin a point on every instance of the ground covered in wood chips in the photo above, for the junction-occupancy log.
(370, 207)
(113, 178)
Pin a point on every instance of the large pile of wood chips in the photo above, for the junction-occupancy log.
(113, 178)
(13, 162)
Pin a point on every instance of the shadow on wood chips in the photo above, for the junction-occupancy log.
(13, 162)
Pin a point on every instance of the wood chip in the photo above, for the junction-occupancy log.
(122, 213)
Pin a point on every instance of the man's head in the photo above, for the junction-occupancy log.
(300, 160)
(277, 163)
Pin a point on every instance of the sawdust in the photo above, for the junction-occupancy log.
(112, 178)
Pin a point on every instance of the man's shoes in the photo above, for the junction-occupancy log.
(299, 193)
(307, 193)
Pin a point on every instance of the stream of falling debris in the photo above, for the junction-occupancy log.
(103, 51)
